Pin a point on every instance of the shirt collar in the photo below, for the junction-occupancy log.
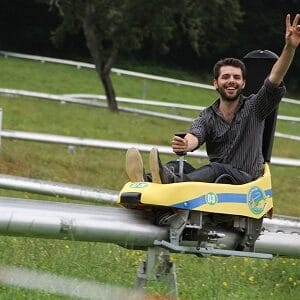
(215, 105)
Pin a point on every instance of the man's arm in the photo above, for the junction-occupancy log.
(292, 41)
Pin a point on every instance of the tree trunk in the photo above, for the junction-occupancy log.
(103, 71)
(102, 68)
(109, 91)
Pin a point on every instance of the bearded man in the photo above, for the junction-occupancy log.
(232, 127)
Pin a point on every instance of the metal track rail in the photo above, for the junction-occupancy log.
(129, 228)
(46, 187)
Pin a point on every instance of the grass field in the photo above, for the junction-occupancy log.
(209, 278)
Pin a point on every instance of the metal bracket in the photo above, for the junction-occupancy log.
(177, 226)
(157, 267)
(210, 250)
(252, 231)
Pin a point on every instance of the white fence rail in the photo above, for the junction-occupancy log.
(119, 71)
(76, 141)
(116, 145)
(71, 99)
(65, 99)
(161, 104)
(79, 65)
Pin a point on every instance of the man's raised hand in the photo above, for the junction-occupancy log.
(292, 36)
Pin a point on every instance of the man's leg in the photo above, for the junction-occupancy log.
(208, 173)
(212, 171)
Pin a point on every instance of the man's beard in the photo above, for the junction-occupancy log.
(229, 98)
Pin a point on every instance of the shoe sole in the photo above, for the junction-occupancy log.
(134, 165)
(154, 166)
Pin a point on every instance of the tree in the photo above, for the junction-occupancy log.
(114, 26)
(207, 29)
(267, 20)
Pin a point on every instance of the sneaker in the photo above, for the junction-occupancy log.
(134, 165)
(160, 173)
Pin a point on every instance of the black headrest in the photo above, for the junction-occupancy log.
(259, 64)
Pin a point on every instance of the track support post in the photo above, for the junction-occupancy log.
(157, 267)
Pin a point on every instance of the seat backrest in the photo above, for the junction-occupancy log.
(259, 64)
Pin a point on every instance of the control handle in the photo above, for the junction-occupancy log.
(182, 135)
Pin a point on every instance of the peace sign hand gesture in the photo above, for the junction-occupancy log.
(292, 35)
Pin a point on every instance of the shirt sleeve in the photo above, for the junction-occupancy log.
(267, 98)
(199, 128)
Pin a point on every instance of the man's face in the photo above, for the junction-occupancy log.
(230, 83)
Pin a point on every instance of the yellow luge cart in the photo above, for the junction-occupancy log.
(205, 218)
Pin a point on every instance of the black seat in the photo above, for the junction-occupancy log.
(259, 64)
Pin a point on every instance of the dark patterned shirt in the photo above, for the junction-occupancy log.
(238, 143)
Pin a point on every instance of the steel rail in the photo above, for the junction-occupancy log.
(287, 136)
(283, 224)
(64, 99)
(77, 99)
(47, 187)
(278, 223)
(125, 227)
(138, 101)
(98, 143)
(45, 219)
(76, 141)
(67, 98)
(161, 104)
(120, 71)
